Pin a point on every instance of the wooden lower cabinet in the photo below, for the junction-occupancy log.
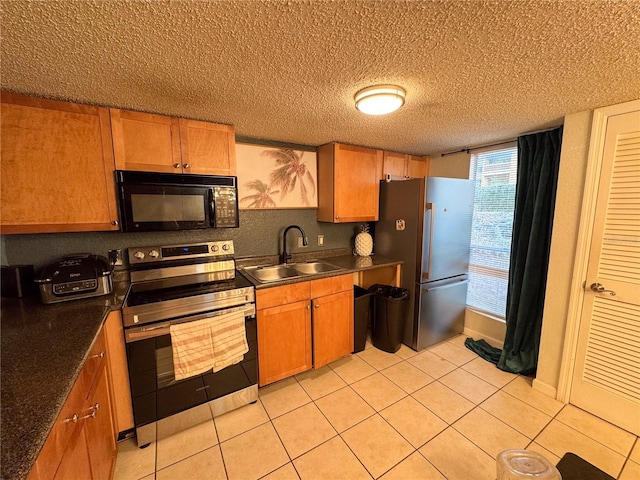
(284, 341)
(99, 430)
(75, 463)
(304, 325)
(118, 374)
(332, 327)
(81, 444)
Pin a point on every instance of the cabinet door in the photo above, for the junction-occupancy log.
(57, 167)
(394, 164)
(348, 183)
(207, 148)
(332, 327)
(118, 373)
(284, 341)
(75, 463)
(145, 142)
(417, 167)
(99, 429)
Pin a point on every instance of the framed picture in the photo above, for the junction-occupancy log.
(273, 177)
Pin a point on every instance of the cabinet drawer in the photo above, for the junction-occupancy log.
(331, 285)
(272, 297)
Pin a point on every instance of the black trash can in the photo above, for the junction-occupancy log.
(390, 309)
(361, 316)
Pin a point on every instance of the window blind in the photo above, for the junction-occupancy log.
(494, 173)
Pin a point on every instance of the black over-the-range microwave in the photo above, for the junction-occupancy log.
(167, 201)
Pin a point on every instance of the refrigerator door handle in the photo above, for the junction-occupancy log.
(431, 208)
(448, 285)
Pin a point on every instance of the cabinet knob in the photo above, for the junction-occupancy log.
(115, 222)
(337, 217)
(186, 165)
(90, 415)
(176, 165)
(317, 305)
(98, 355)
(308, 307)
(73, 419)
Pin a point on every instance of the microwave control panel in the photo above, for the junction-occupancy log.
(226, 207)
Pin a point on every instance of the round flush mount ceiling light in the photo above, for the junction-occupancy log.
(380, 100)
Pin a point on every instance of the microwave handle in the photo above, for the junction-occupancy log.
(212, 207)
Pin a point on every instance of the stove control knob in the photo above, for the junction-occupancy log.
(225, 247)
(154, 254)
(138, 255)
(214, 248)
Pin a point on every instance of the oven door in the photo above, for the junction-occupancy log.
(155, 392)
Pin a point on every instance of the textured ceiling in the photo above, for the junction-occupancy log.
(475, 72)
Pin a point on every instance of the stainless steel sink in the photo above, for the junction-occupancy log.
(314, 267)
(275, 273)
(271, 273)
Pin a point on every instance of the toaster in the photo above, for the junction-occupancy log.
(74, 276)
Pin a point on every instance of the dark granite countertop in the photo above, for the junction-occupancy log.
(43, 349)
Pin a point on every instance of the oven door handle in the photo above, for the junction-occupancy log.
(159, 329)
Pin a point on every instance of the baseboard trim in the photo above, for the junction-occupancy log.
(494, 342)
(544, 388)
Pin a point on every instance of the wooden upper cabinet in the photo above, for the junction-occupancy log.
(395, 164)
(156, 143)
(57, 167)
(400, 165)
(348, 183)
(417, 167)
(145, 142)
(207, 148)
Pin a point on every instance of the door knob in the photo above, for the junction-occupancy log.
(599, 288)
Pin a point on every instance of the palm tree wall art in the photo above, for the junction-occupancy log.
(270, 178)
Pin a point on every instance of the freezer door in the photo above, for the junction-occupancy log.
(440, 311)
(446, 235)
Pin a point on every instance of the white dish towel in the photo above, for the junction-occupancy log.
(208, 344)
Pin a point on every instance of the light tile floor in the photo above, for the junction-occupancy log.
(443, 413)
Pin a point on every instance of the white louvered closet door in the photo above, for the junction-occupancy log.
(606, 379)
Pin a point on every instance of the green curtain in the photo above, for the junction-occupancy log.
(538, 164)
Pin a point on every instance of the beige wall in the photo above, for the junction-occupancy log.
(451, 166)
(573, 165)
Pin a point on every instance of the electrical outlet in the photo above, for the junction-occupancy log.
(300, 245)
(115, 257)
(320, 240)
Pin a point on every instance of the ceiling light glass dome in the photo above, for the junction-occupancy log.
(380, 99)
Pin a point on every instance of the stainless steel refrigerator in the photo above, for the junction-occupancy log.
(426, 223)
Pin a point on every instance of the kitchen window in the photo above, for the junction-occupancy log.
(494, 172)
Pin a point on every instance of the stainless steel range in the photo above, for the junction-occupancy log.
(173, 285)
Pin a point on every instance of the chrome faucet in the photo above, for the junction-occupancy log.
(286, 256)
